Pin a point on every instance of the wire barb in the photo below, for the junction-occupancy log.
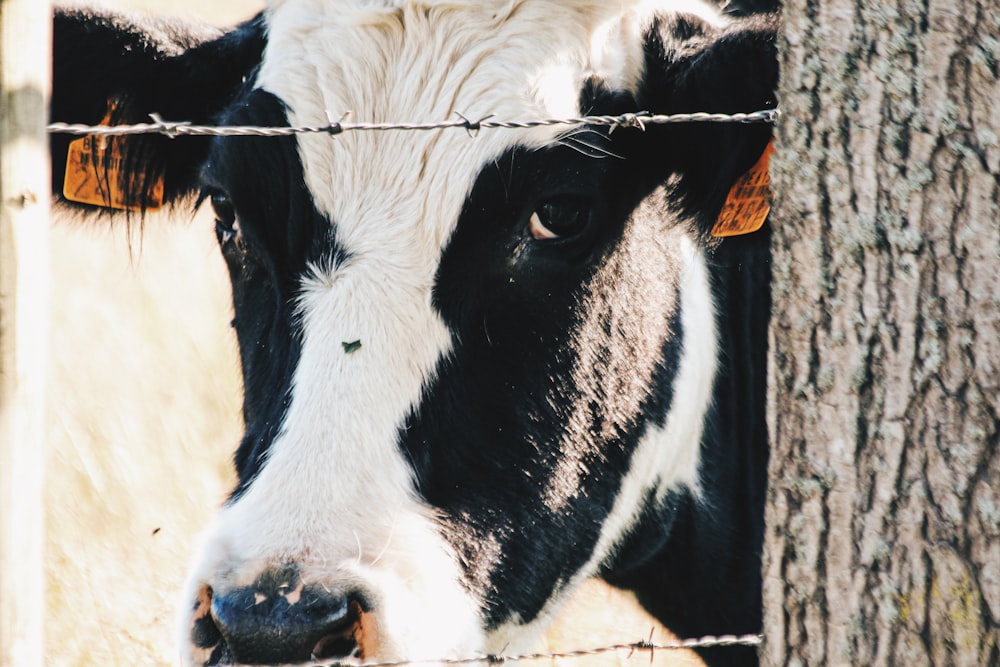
(638, 120)
(710, 641)
(635, 120)
(473, 127)
(166, 128)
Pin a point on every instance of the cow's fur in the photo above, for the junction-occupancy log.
(451, 419)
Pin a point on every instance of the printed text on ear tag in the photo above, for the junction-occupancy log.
(96, 175)
(749, 200)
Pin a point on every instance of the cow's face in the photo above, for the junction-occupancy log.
(472, 363)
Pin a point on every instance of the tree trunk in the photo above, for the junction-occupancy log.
(24, 196)
(883, 537)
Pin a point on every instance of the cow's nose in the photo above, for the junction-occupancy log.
(280, 620)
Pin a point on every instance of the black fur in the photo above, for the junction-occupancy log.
(691, 67)
(518, 374)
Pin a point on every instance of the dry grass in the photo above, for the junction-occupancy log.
(143, 417)
(143, 412)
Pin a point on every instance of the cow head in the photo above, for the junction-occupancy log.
(474, 363)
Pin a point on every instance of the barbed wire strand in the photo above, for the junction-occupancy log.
(179, 129)
(710, 641)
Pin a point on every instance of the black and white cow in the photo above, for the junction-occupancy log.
(479, 367)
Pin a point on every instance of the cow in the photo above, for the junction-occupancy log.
(480, 365)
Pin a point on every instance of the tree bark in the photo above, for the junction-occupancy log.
(883, 537)
(24, 196)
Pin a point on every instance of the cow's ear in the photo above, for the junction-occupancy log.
(696, 65)
(121, 69)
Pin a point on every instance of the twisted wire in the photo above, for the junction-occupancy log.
(179, 129)
(710, 641)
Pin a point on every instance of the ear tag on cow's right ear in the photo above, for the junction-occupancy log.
(749, 200)
(95, 175)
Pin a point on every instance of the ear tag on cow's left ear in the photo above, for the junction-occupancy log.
(749, 200)
(95, 175)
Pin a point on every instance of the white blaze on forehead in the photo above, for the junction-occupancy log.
(423, 62)
(394, 199)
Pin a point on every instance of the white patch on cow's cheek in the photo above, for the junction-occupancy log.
(694, 383)
(667, 458)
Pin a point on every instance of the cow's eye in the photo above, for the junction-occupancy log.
(560, 219)
(226, 226)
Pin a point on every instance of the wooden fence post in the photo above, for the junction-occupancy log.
(25, 55)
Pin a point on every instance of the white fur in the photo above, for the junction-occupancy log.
(335, 495)
(678, 465)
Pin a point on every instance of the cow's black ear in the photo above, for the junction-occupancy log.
(123, 68)
(693, 65)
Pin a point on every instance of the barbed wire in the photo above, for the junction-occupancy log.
(710, 641)
(179, 129)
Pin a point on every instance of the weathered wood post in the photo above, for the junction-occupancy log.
(25, 53)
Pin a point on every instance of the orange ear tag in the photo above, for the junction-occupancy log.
(95, 175)
(749, 200)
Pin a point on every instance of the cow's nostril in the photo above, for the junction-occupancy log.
(356, 639)
(207, 645)
(279, 620)
(335, 646)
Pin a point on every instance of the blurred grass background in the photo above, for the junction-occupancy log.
(144, 413)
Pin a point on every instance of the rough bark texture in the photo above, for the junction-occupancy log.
(883, 538)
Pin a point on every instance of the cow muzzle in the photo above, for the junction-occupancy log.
(280, 619)
(270, 588)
